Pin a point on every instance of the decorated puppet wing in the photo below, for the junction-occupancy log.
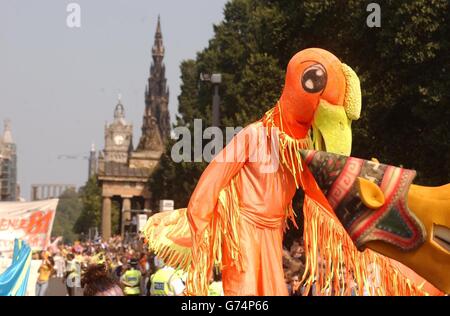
(168, 236)
(369, 198)
(353, 204)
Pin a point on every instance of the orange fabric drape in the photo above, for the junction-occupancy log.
(263, 199)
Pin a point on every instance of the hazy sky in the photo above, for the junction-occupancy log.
(59, 85)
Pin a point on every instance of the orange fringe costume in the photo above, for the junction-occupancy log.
(238, 211)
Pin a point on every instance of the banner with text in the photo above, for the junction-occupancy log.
(29, 221)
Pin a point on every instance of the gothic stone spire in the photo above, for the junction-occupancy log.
(156, 97)
(158, 47)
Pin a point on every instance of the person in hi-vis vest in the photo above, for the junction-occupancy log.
(131, 280)
(168, 282)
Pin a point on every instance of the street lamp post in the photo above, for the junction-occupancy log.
(215, 79)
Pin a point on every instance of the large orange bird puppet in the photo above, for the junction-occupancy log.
(239, 209)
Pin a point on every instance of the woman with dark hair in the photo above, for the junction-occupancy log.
(96, 282)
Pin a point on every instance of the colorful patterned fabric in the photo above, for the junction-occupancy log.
(393, 222)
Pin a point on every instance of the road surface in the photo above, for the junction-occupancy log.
(56, 287)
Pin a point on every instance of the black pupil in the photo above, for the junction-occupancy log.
(314, 79)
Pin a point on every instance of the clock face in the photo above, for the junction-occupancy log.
(119, 139)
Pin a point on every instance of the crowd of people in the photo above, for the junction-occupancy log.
(294, 267)
(114, 267)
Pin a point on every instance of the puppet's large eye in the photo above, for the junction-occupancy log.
(314, 78)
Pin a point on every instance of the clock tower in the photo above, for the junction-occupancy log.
(123, 171)
(118, 137)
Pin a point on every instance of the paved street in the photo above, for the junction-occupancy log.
(56, 287)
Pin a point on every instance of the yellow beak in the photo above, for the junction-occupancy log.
(332, 123)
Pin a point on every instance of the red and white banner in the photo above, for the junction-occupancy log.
(29, 221)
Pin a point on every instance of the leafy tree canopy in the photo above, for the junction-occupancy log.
(67, 213)
(404, 68)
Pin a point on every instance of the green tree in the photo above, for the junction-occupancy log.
(404, 72)
(404, 68)
(67, 213)
(91, 200)
(90, 197)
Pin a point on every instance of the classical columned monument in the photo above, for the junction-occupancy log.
(123, 171)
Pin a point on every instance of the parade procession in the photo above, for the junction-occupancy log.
(304, 150)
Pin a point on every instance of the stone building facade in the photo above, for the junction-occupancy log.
(9, 189)
(123, 171)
